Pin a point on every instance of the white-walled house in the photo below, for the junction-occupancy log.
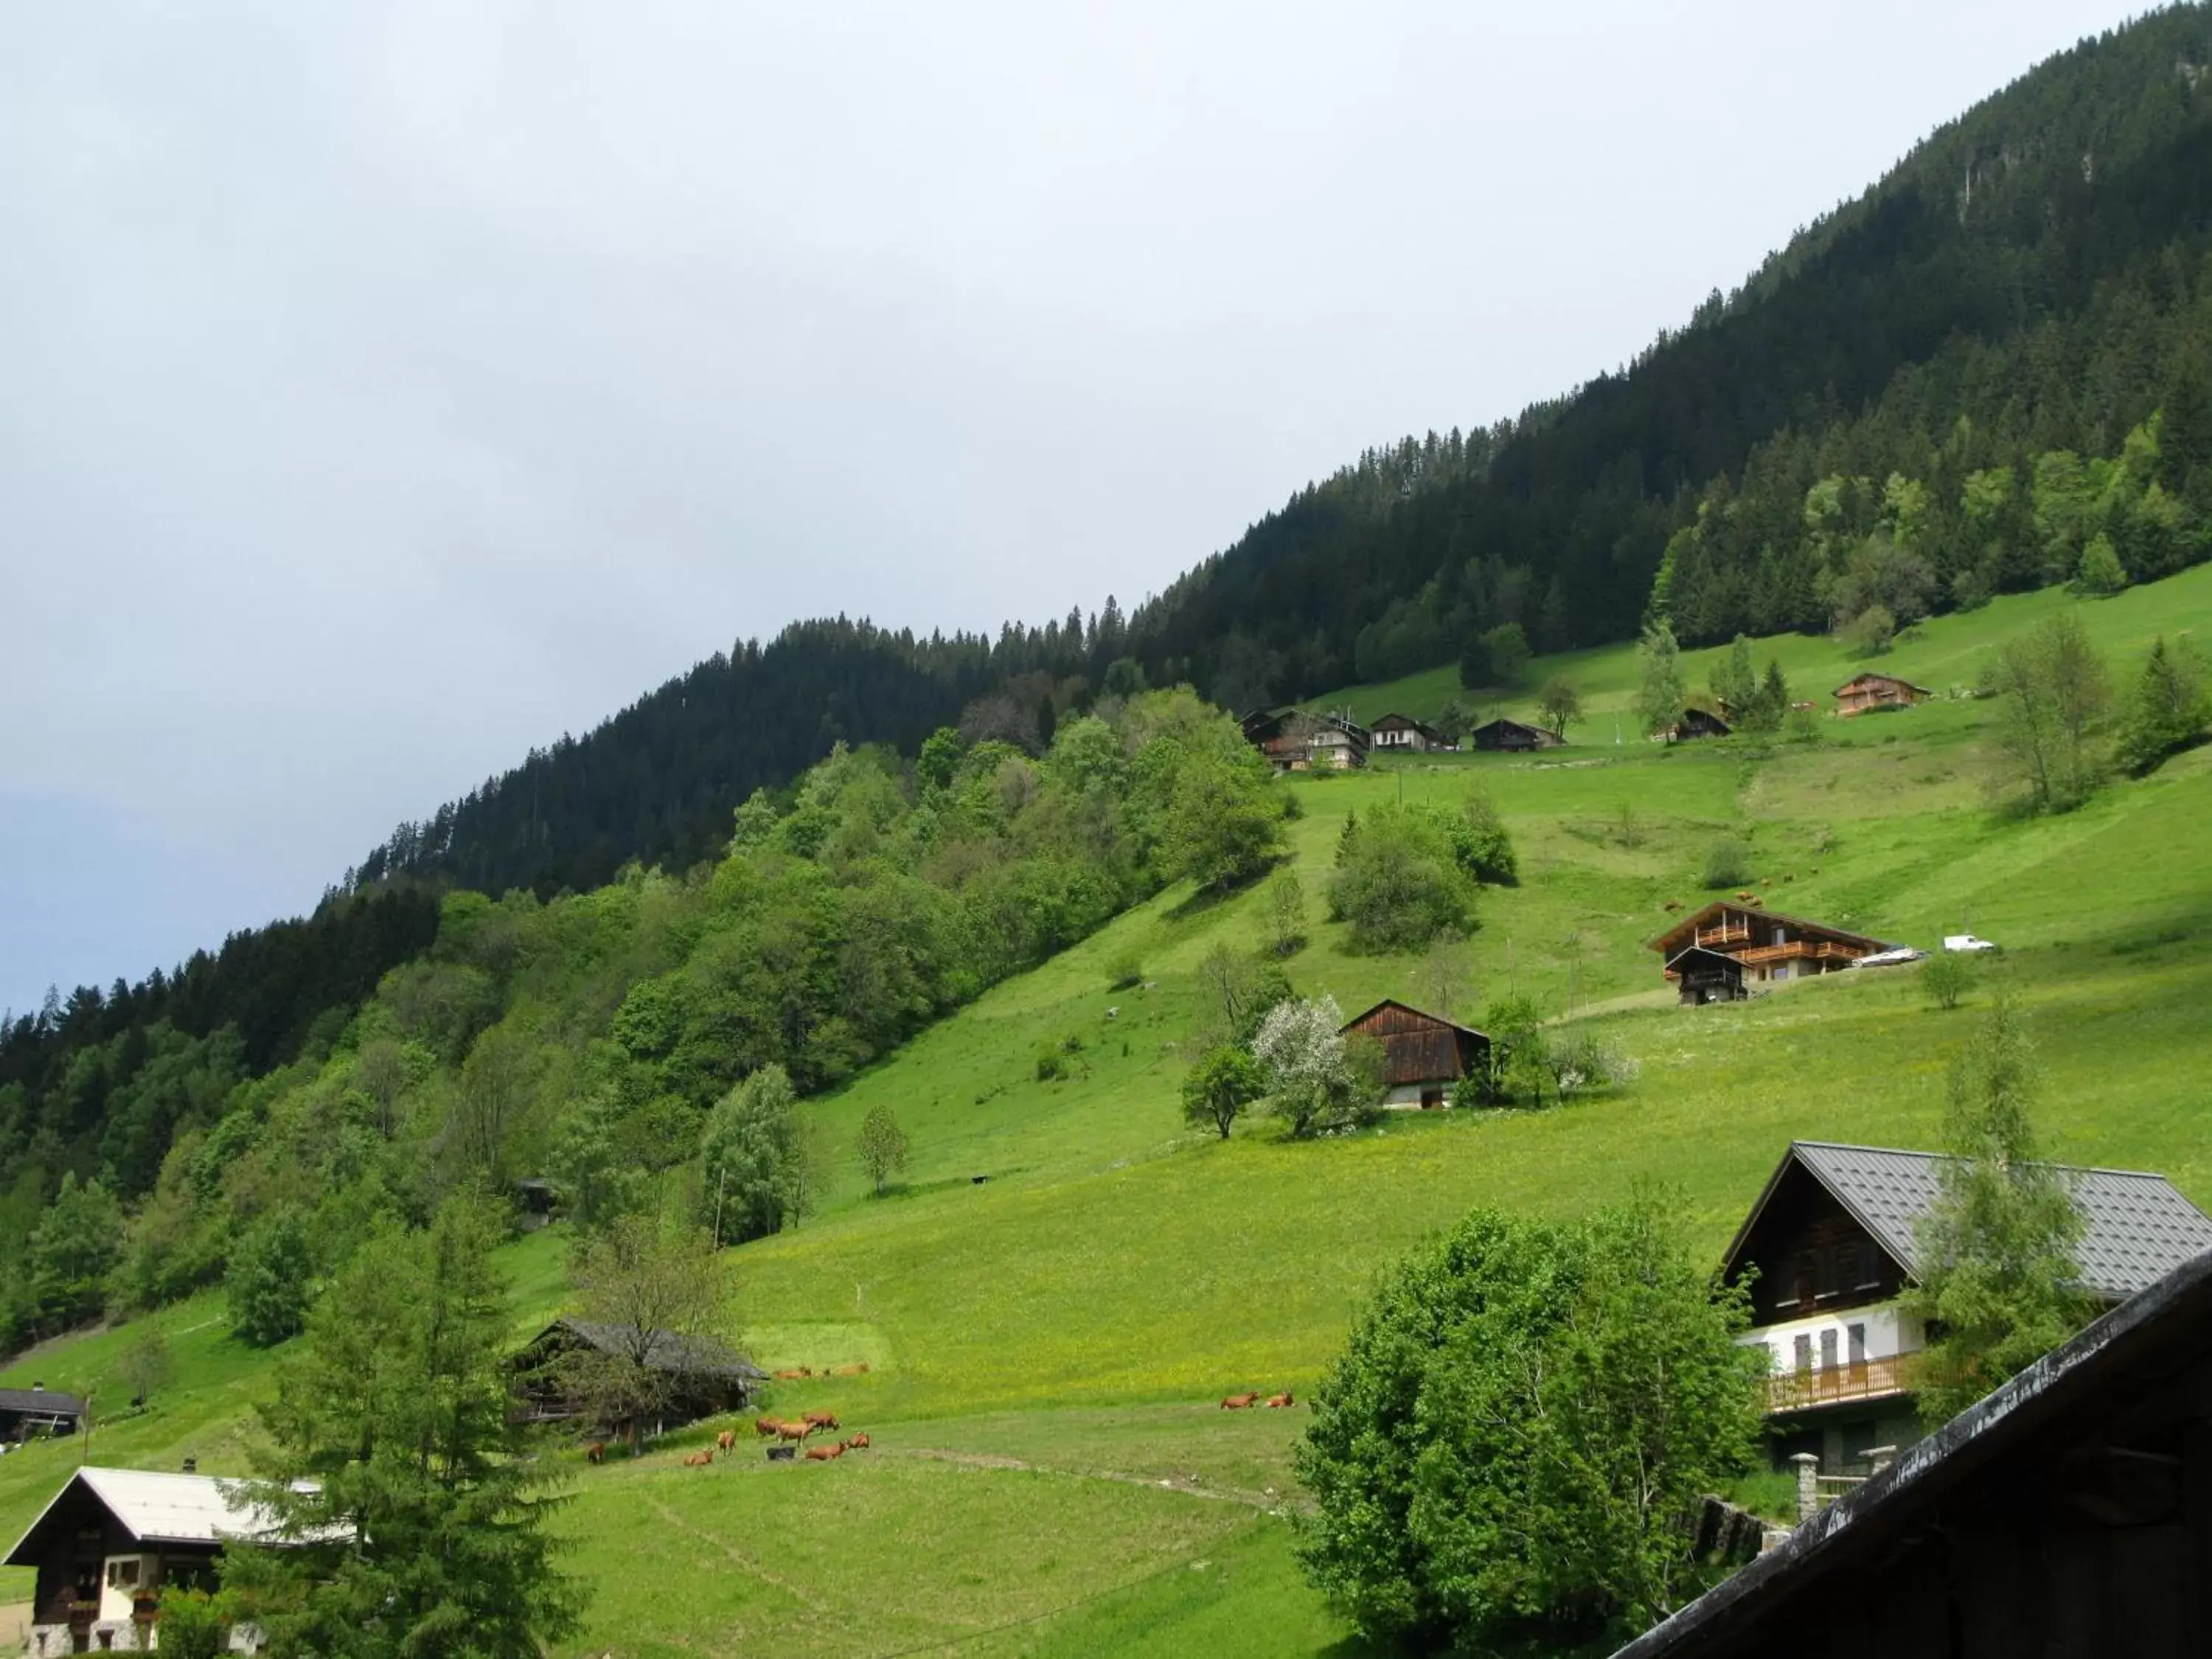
(1831, 1247)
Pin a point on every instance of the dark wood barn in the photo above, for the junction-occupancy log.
(1704, 975)
(706, 1376)
(1699, 723)
(27, 1413)
(2069, 1514)
(1424, 1054)
(1513, 737)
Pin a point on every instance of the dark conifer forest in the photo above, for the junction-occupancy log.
(1990, 372)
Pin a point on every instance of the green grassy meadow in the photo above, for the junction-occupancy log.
(1049, 1473)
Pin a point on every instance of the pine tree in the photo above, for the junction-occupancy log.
(2169, 708)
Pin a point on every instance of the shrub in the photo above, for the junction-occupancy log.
(1479, 843)
(1126, 974)
(1946, 977)
(1051, 1062)
(1870, 632)
(1219, 1087)
(1584, 1062)
(1399, 884)
(1727, 863)
(269, 1282)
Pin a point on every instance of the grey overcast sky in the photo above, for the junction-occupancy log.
(390, 387)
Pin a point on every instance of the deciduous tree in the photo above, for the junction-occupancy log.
(1217, 1089)
(882, 1147)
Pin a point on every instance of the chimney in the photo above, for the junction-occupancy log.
(191, 1466)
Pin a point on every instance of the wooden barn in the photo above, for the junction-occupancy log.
(1424, 1054)
(2064, 1515)
(1767, 947)
(1704, 975)
(707, 1376)
(1296, 741)
(28, 1413)
(1697, 723)
(1513, 737)
(1866, 694)
(1406, 734)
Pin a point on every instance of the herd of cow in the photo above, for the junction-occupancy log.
(795, 1433)
(1239, 1402)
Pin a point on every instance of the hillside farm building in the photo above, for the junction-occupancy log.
(26, 1413)
(1513, 737)
(1424, 1054)
(1831, 1246)
(704, 1376)
(1763, 947)
(1403, 731)
(1866, 693)
(111, 1538)
(2065, 1514)
(1697, 723)
(1296, 741)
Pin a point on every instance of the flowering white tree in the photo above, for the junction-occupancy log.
(1317, 1080)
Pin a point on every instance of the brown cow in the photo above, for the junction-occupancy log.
(699, 1460)
(824, 1454)
(1238, 1402)
(1280, 1399)
(822, 1419)
(764, 1427)
(596, 1452)
(859, 1369)
(794, 1374)
(1672, 904)
(798, 1432)
(859, 1442)
(726, 1441)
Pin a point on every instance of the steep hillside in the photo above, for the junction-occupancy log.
(1049, 1475)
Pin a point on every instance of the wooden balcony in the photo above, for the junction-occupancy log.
(1870, 1379)
(1715, 938)
(1804, 949)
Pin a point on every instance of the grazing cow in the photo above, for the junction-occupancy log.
(1743, 895)
(860, 1369)
(764, 1427)
(1673, 904)
(824, 1420)
(1238, 1402)
(824, 1454)
(859, 1442)
(699, 1460)
(794, 1374)
(1277, 1400)
(726, 1441)
(793, 1430)
(596, 1452)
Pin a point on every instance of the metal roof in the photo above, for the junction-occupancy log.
(1760, 912)
(158, 1507)
(2138, 1227)
(664, 1350)
(41, 1402)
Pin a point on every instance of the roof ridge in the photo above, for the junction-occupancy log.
(1912, 1151)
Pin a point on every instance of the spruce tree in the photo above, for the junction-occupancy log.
(2168, 710)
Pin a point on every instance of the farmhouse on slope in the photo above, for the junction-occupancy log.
(1513, 737)
(1832, 1242)
(38, 1410)
(1294, 740)
(1865, 693)
(702, 1375)
(1424, 1054)
(1395, 731)
(1717, 954)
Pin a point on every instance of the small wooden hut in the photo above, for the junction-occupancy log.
(1424, 1054)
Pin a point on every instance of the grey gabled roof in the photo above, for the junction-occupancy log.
(42, 1402)
(2139, 1228)
(665, 1351)
(155, 1507)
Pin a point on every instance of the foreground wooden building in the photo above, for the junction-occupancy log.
(1763, 947)
(2066, 1514)
(1867, 694)
(1424, 1055)
(1831, 1245)
(108, 1542)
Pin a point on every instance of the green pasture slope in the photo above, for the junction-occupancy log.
(1049, 1474)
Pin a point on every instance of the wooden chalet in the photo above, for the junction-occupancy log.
(1424, 1054)
(1866, 694)
(1513, 737)
(1296, 741)
(102, 1549)
(29, 1413)
(1405, 733)
(1697, 723)
(1832, 1242)
(706, 1375)
(1767, 948)
(2063, 1514)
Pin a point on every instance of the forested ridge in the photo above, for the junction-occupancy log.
(1988, 372)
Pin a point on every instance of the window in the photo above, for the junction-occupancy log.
(123, 1573)
(1858, 1334)
(1869, 1265)
(1828, 1349)
(1804, 1344)
(1805, 1279)
(1829, 1274)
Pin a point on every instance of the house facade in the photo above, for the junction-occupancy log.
(1296, 741)
(1831, 1246)
(1767, 946)
(1865, 694)
(103, 1548)
(1424, 1055)
(29, 1413)
(1406, 735)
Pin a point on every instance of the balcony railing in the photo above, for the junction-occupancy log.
(1869, 1379)
(1798, 948)
(1724, 934)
